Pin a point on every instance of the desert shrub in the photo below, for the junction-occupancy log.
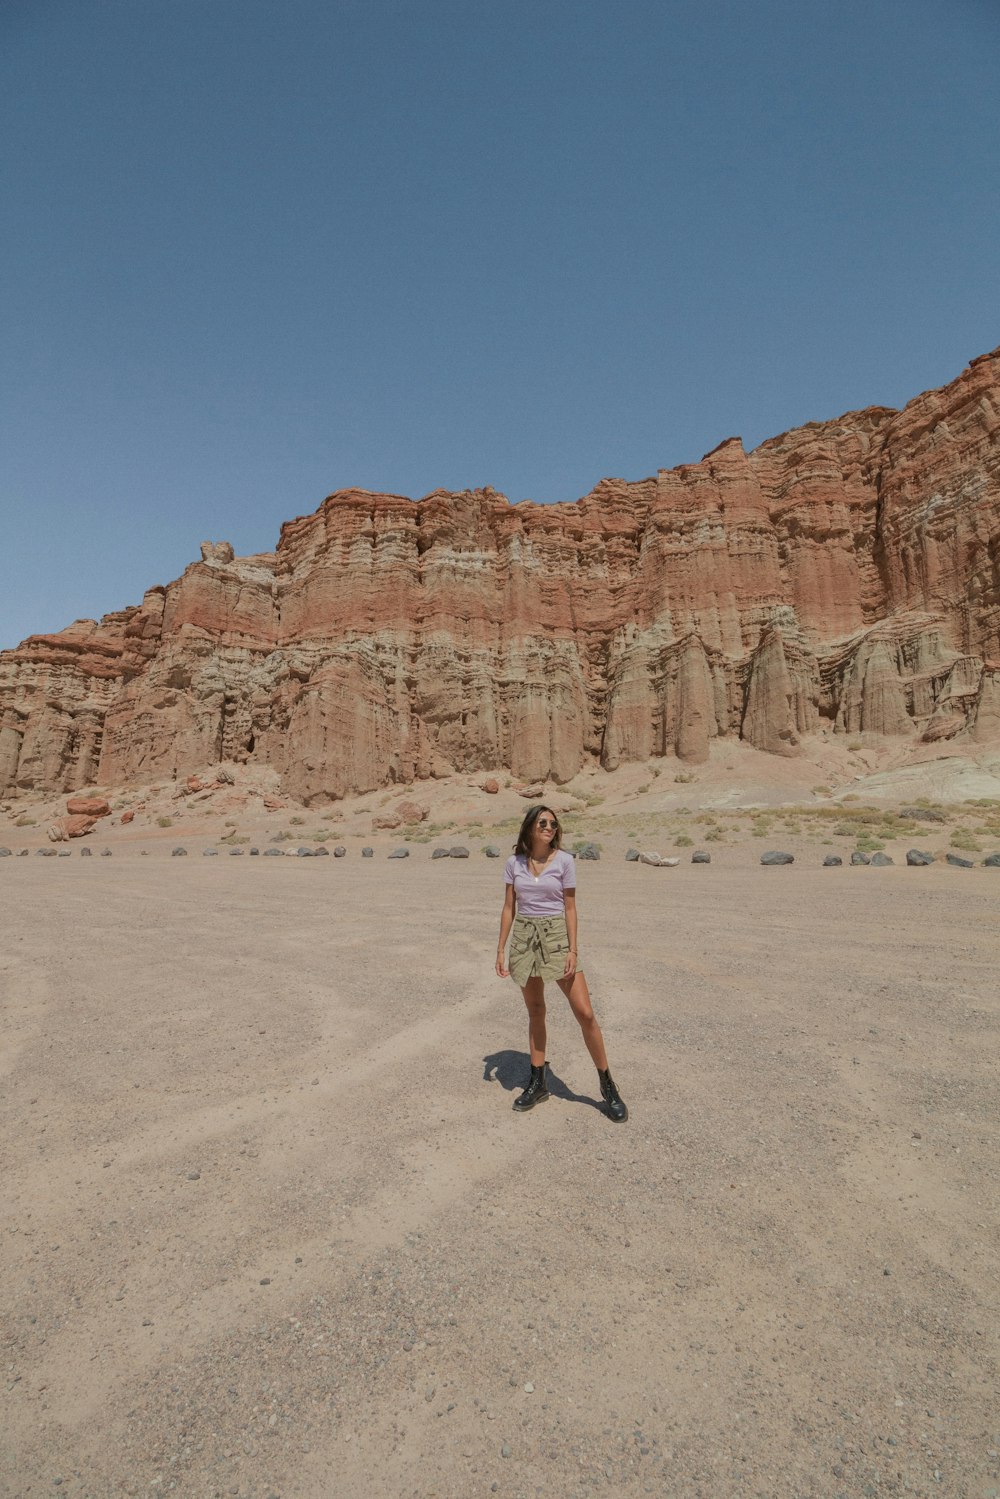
(962, 838)
(684, 778)
(296, 822)
(641, 790)
(854, 745)
(164, 822)
(714, 835)
(683, 841)
(821, 790)
(25, 822)
(592, 799)
(322, 836)
(869, 845)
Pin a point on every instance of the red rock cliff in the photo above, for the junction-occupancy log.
(846, 572)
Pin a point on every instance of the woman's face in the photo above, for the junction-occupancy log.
(545, 828)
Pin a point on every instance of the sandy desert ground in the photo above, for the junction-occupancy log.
(271, 1227)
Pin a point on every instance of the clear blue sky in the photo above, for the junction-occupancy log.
(255, 252)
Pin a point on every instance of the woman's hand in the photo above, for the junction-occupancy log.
(502, 971)
(570, 968)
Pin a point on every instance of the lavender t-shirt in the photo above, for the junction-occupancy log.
(544, 896)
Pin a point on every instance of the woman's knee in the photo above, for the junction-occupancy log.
(579, 1002)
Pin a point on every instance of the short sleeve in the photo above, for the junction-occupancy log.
(568, 872)
(508, 871)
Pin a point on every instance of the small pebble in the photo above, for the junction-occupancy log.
(194, 1176)
(529, 1389)
(505, 1450)
(266, 1281)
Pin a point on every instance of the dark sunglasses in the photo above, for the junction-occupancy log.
(543, 822)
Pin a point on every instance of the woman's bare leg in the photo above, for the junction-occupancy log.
(576, 991)
(534, 999)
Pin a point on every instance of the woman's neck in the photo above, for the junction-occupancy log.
(539, 855)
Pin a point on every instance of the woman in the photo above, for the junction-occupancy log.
(541, 888)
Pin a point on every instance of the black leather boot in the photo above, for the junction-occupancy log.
(535, 1092)
(616, 1104)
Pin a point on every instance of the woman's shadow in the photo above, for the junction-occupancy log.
(512, 1069)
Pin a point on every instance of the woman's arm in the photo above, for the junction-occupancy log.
(569, 897)
(506, 922)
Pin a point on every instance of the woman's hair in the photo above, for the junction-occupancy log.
(523, 844)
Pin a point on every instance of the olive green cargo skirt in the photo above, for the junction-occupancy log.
(538, 948)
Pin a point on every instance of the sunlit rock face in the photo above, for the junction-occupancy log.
(843, 575)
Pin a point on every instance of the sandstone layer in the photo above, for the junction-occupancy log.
(844, 575)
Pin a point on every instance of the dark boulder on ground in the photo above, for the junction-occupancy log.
(274, 853)
(992, 861)
(917, 857)
(23, 854)
(178, 853)
(440, 853)
(959, 862)
(922, 814)
(458, 852)
(235, 851)
(701, 856)
(322, 852)
(210, 853)
(5, 853)
(832, 861)
(859, 858)
(882, 860)
(588, 851)
(367, 853)
(400, 853)
(253, 851)
(86, 853)
(774, 856)
(46, 853)
(632, 856)
(491, 851)
(340, 851)
(305, 853)
(105, 853)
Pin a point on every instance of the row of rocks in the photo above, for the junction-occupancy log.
(914, 856)
(54, 853)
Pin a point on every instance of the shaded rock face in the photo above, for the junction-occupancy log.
(844, 575)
